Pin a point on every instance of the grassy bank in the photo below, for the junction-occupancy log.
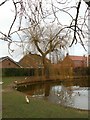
(14, 106)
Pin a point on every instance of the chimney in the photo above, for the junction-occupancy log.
(67, 54)
(83, 55)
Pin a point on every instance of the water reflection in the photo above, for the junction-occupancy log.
(60, 94)
(72, 95)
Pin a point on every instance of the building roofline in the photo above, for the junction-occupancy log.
(7, 57)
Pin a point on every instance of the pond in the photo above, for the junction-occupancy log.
(70, 94)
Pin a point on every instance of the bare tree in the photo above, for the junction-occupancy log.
(43, 12)
(44, 40)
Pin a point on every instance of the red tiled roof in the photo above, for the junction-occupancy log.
(77, 58)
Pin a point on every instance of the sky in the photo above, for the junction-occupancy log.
(6, 17)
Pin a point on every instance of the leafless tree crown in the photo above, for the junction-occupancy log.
(33, 14)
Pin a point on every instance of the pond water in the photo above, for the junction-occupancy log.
(72, 94)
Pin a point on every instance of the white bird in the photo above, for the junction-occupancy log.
(1, 83)
(15, 81)
(26, 98)
(58, 95)
(25, 78)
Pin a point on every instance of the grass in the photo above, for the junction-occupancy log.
(14, 106)
(9, 80)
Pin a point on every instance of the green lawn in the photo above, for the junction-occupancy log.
(9, 80)
(14, 106)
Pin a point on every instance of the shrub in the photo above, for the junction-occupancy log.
(18, 72)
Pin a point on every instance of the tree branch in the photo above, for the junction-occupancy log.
(3, 2)
(76, 19)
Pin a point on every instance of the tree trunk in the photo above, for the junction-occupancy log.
(46, 67)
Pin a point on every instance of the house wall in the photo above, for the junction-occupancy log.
(0, 64)
(8, 64)
(67, 62)
(78, 63)
(67, 67)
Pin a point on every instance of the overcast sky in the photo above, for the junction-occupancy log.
(6, 17)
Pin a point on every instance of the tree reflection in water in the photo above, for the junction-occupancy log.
(61, 95)
(73, 94)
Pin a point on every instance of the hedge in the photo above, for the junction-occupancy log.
(18, 72)
(82, 71)
(39, 71)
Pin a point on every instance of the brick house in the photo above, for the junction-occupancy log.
(89, 60)
(32, 61)
(74, 61)
(71, 62)
(7, 62)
